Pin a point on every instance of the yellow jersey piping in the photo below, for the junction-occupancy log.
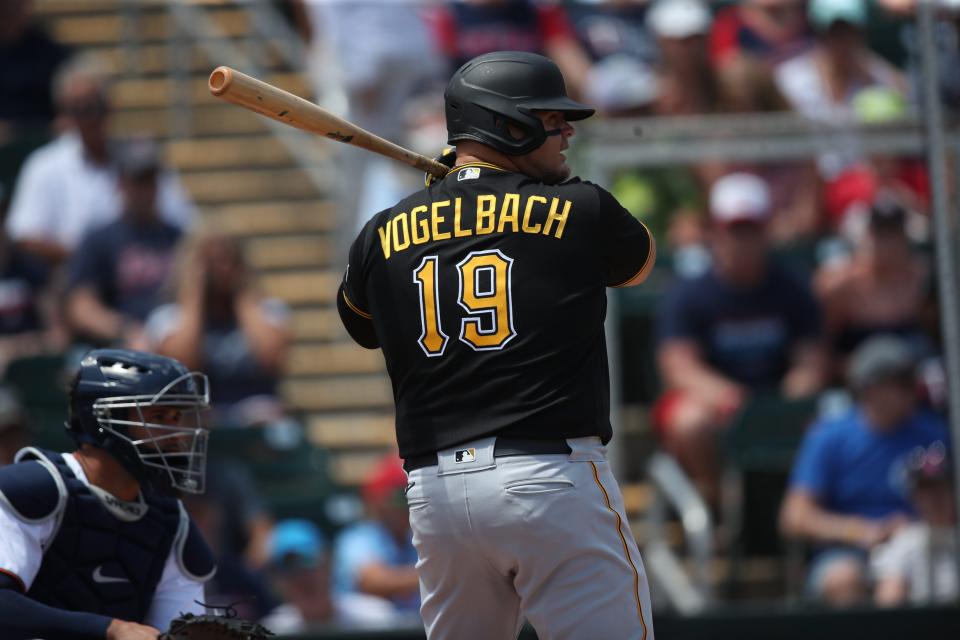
(484, 165)
(357, 310)
(626, 549)
(646, 262)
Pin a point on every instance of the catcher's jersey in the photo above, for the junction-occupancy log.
(487, 295)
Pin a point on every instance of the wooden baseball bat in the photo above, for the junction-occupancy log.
(270, 101)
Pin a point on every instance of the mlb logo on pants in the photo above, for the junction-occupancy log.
(466, 455)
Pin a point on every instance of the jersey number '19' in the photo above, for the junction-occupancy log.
(485, 294)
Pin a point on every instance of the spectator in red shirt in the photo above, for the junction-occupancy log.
(469, 28)
(769, 30)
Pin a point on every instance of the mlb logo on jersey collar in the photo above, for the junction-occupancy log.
(465, 455)
(468, 173)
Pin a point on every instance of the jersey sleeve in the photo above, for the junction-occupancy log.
(357, 272)
(352, 303)
(22, 550)
(625, 243)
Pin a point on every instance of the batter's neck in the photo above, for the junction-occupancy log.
(470, 151)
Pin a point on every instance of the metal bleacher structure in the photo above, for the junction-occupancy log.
(272, 187)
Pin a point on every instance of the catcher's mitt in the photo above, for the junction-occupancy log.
(212, 627)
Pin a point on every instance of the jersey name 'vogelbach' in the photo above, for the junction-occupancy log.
(487, 292)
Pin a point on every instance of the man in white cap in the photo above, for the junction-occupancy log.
(747, 325)
(685, 75)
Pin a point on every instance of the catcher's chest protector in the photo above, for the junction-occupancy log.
(99, 563)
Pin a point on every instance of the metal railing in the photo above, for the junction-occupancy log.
(193, 25)
(674, 490)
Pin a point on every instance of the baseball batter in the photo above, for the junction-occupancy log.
(486, 292)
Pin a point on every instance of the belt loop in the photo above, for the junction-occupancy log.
(588, 449)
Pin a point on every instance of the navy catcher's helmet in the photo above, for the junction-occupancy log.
(115, 395)
(495, 89)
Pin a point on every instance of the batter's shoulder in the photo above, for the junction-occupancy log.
(32, 488)
(583, 193)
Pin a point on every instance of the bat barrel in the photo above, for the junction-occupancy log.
(275, 103)
(220, 80)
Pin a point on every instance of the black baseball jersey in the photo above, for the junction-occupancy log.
(487, 294)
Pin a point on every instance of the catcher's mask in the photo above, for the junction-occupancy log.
(494, 90)
(146, 411)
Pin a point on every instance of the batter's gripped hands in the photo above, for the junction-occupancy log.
(123, 630)
(447, 157)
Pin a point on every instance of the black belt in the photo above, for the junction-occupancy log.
(504, 447)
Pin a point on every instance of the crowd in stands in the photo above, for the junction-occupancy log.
(101, 245)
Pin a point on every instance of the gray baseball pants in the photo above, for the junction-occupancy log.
(541, 537)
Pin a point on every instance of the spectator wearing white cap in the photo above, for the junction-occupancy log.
(688, 84)
(747, 325)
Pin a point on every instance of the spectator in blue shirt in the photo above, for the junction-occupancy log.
(116, 275)
(848, 490)
(376, 556)
(748, 325)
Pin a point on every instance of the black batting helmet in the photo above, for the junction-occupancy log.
(505, 87)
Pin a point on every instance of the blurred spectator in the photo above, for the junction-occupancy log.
(14, 434)
(613, 28)
(947, 36)
(882, 288)
(823, 83)
(768, 30)
(372, 72)
(622, 51)
(28, 59)
(905, 180)
(919, 564)
(747, 87)
(376, 556)
(235, 582)
(688, 84)
(468, 28)
(847, 492)
(746, 326)
(385, 59)
(28, 324)
(69, 186)
(299, 568)
(220, 323)
(245, 523)
(116, 274)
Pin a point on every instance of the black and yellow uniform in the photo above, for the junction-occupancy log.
(486, 292)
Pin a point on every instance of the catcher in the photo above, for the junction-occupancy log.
(93, 543)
